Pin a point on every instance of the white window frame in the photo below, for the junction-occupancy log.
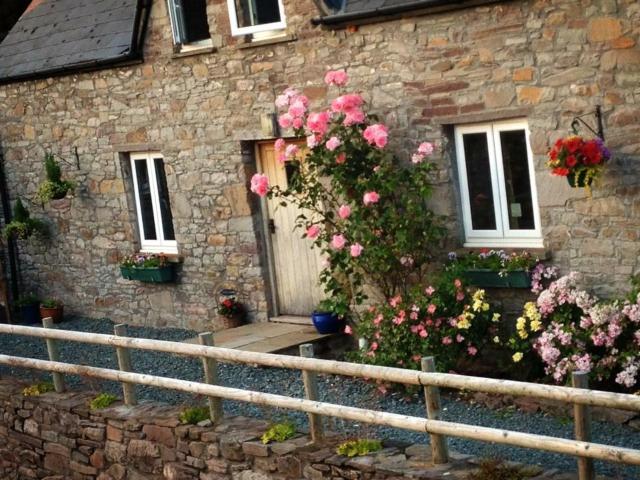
(160, 245)
(265, 27)
(502, 236)
(177, 40)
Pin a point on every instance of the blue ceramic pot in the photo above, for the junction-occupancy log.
(326, 322)
(30, 314)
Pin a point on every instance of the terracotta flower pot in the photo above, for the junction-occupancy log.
(56, 313)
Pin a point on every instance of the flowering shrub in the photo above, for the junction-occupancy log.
(362, 208)
(576, 156)
(447, 321)
(570, 329)
(495, 260)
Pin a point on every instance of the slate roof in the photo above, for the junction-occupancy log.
(358, 10)
(56, 36)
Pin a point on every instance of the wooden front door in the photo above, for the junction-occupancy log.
(295, 266)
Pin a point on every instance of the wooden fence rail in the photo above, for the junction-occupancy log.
(580, 396)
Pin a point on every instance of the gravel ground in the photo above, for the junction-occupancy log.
(333, 389)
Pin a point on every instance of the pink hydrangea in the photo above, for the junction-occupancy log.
(313, 231)
(344, 211)
(425, 148)
(376, 135)
(336, 77)
(356, 249)
(338, 241)
(333, 143)
(370, 198)
(260, 184)
(318, 123)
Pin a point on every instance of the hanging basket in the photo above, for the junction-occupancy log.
(579, 179)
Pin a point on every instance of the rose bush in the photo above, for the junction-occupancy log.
(365, 210)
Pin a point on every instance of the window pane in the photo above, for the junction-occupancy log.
(517, 182)
(476, 153)
(165, 206)
(195, 20)
(257, 12)
(146, 206)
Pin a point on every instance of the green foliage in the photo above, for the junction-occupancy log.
(38, 389)
(23, 226)
(103, 400)
(51, 303)
(356, 448)
(194, 415)
(279, 432)
(492, 469)
(494, 260)
(53, 187)
(27, 299)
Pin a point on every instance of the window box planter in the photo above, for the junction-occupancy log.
(493, 279)
(150, 275)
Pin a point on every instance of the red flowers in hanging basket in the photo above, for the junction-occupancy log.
(580, 160)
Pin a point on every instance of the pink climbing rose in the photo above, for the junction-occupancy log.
(346, 103)
(313, 231)
(341, 158)
(318, 122)
(291, 151)
(376, 134)
(344, 211)
(348, 330)
(356, 250)
(285, 120)
(425, 148)
(260, 184)
(279, 145)
(333, 143)
(370, 198)
(338, 241)
(336, 77)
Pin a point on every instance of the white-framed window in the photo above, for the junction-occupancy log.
(497, 185)
(255, 16)
(153, 209)
(189, 23)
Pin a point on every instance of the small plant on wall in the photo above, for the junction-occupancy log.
(54, 187)
(23, 226)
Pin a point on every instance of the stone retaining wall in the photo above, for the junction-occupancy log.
(56, 437)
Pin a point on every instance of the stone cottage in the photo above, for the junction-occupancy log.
(169, 105)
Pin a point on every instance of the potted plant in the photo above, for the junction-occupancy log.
(231, 311)
(147, 267)
(51, 307)
(53, 188)
(580, 160)
(28, 308)
(22, 225)
(494, 268)
(327, 317)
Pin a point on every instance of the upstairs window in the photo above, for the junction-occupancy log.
(255, 16)
(497, 185)
(189, 23)
(155, 222)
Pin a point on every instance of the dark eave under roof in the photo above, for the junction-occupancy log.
(357, 12)
(65, 36)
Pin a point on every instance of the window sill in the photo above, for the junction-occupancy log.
(189, 52)
(267, 41)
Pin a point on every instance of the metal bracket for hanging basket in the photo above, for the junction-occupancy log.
(575, 124)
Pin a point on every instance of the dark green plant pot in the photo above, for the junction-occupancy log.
(150, 275)
(580, 180)
(30, 314)
(492, 279)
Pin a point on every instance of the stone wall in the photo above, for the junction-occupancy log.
(56, 437)
(546, 60)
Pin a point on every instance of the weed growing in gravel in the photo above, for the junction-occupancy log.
(38, 389)
(194, 415)
(102, 401)
(493, 469)
(356, 448)
(279, 432)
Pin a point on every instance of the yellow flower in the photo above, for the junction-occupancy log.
(535, 325)
(496, 317)
(517, 357)
(521, 323)
(523, 334)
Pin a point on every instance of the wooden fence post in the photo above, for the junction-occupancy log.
(582, 422)
(311, 389)
(439, 449)
(210, 366)
(54, 356)
(124, 363)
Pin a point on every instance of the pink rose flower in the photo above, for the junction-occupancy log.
(338, 241)
(425, 148)
(423, 333)
(471, 350)
(431, 309)
(279, 145)
(376, 135)
(429, 290)
(336, 77)
(282, 101)
(457, 283)
(312, 141)
(344, 211)
(353, 117)
(291, 151)
(313, 231)
(298, 122)
(356, 249)
(318, 122)
(333, 143)
(395, 301)
(417, 158)
(281, 157)
(285, 120)
(460, 296)
(347, 102)
(341, 158)
(374, 346)
(348, 330)
(447, 341)
(370, 198)
(260, 184)
(459, 338)
(297, 108)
